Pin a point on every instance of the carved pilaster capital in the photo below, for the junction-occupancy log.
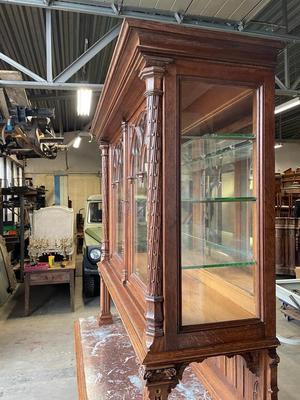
(153, 79)
(124, 126)
(160, 381)
(104, 147)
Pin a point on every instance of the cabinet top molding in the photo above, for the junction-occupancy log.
(142, 44)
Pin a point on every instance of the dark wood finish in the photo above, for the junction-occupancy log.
(53, 276)
(245, 376)
(149, 61)
(105, 316)
(81, 382)
(287, 245)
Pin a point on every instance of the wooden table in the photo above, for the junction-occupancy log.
(52, 276)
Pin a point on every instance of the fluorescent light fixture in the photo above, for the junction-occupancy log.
(288, 105)
(77, 142)
(84, 98)
(278, 145)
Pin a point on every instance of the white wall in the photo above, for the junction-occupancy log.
(78, 177)
(86, 159)
(287, 156)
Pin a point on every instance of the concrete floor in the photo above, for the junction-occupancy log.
(37, 359)
(289, 367)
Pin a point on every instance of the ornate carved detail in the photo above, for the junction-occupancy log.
(154, 313)
(272, 374)
(117, 162)
(104, 147)
(159, 382)
(252, 361)
(138, 148)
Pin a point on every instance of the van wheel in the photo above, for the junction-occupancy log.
(89, 286)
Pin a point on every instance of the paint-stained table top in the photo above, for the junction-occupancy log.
(107, 368)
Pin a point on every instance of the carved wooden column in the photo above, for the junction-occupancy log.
(105, 316)
(153, 77)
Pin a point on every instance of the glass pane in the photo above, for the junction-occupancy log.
(139, 170)
(118, 189)
(95, 212)
(217, 202)
(120, 219)
(140, 229)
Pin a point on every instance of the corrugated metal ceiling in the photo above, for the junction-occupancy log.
(234, 10)
(288, 123)
(22, 33)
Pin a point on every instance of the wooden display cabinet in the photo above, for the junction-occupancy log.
(186, 129)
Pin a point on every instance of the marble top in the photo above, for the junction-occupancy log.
(111, 369)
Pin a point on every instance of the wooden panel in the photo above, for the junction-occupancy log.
(47, 277)
(230, 378)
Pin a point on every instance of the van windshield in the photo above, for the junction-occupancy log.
(95, 212)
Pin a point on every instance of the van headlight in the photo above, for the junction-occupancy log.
(95, 254)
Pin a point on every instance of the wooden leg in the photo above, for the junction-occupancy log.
(157, 392)
(272, 361)
(160, 382)
(72, 290)
(105, 316)
(27, 293)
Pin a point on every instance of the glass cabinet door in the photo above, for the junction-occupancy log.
(218, 202)
(118, 197)
(139, 183)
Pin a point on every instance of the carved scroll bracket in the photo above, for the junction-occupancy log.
(104, 148)
(153, 77)
(159, 382)
(252, 359)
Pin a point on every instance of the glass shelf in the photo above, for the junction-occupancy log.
(216, 151)
(220, 200)
(229, 264)
(220, 135)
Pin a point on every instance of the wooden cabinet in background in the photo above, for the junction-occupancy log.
(185, 125)
(287, 233)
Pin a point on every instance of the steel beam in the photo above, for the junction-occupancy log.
(92, 8)
(286, 68)
(63, 96)
(296, 83)
(287, 92)
(279, 83)
(88, 55)
(49, 45)
(50, 85)
(21, 68)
